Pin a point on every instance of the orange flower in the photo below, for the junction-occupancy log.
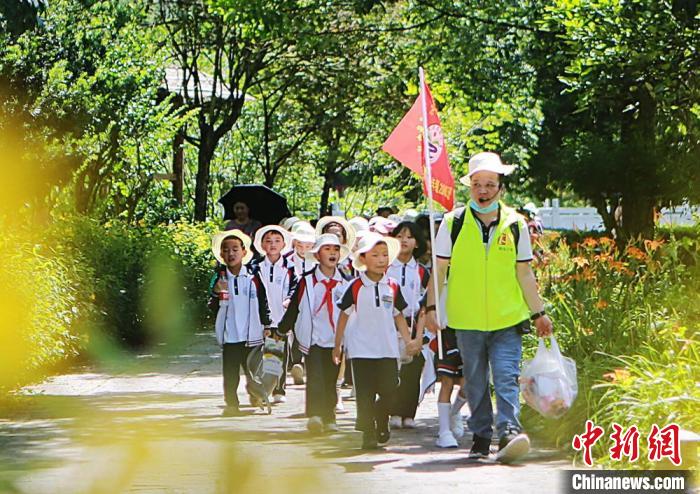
(636, 253)
(652, 245)
(580, 261)
(606, 241)
(590, 242)
(601, 304)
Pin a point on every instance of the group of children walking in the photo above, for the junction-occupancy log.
(340, 293)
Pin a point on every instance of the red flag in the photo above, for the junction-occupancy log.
(405, 144)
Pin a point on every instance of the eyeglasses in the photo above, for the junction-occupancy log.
(488, 186)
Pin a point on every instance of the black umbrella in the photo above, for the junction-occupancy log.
(266, 205)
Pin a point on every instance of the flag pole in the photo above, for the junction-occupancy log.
(429, 187)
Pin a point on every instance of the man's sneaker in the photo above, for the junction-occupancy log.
(330, 427)
(369, 440)
(457, 425)
(409, 423)
(512, 446)
(395, 422)
(446, 440)
(298, 374)
(315, 425)
(279, 399)
(481, 448)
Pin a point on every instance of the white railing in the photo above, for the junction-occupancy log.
(555, 217)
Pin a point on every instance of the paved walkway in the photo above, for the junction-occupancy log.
(157, 427)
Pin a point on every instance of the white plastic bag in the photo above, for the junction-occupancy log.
(548, 381)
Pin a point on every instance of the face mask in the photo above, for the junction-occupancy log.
(488, 209)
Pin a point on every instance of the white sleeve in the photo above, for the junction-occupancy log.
(443, 241)
(524, 247)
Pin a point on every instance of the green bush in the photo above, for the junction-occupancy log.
(81, 282)
(44, 303)
(120, 254)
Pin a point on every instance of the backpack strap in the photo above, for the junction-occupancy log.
(457, 223)
(394, 287)
(515, 230)
(355, 287)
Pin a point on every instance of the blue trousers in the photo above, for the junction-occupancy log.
(501, 351)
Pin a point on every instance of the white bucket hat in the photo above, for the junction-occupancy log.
(288, 223)
(486, 162)
(349, 230)
(359, 223)
(327, 239)
(303, 232)
(410, 215)
(367, 242)
(257, 243)
(219, 238)
(382, 225)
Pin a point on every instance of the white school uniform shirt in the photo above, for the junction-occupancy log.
(239, 320)
(410, 277)
(276, 278)
(313, 324)
(300, 264)
(371, 329)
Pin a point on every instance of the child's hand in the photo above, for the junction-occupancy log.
(221, 286)
(267, 332)
(285, 304)
(414, 346)
(337, 355)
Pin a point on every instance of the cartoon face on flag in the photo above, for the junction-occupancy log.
(436, 143)
(405, 144)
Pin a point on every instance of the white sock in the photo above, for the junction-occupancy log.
(458, 404)
(444, 417)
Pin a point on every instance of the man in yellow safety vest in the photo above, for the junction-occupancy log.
(491, 298)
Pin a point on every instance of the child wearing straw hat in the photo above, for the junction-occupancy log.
(313, 315)
(279, 281)
(371, 313)
(243, 317)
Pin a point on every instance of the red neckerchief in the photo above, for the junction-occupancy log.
(327, 297)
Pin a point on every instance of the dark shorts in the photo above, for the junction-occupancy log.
(451, 363)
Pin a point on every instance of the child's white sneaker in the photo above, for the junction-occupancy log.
(395, 422)
(315, 425)
(298, 374)
(339, 407)
(446, 440)
(457, 425)
(279, 399)
(409, 423)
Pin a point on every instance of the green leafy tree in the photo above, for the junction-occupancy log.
(619, 89)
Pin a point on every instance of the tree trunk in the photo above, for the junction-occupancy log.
(178, 161)
(325, 194)
(602, 205)
(328, 177)
(641, 186)
(204, 157)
